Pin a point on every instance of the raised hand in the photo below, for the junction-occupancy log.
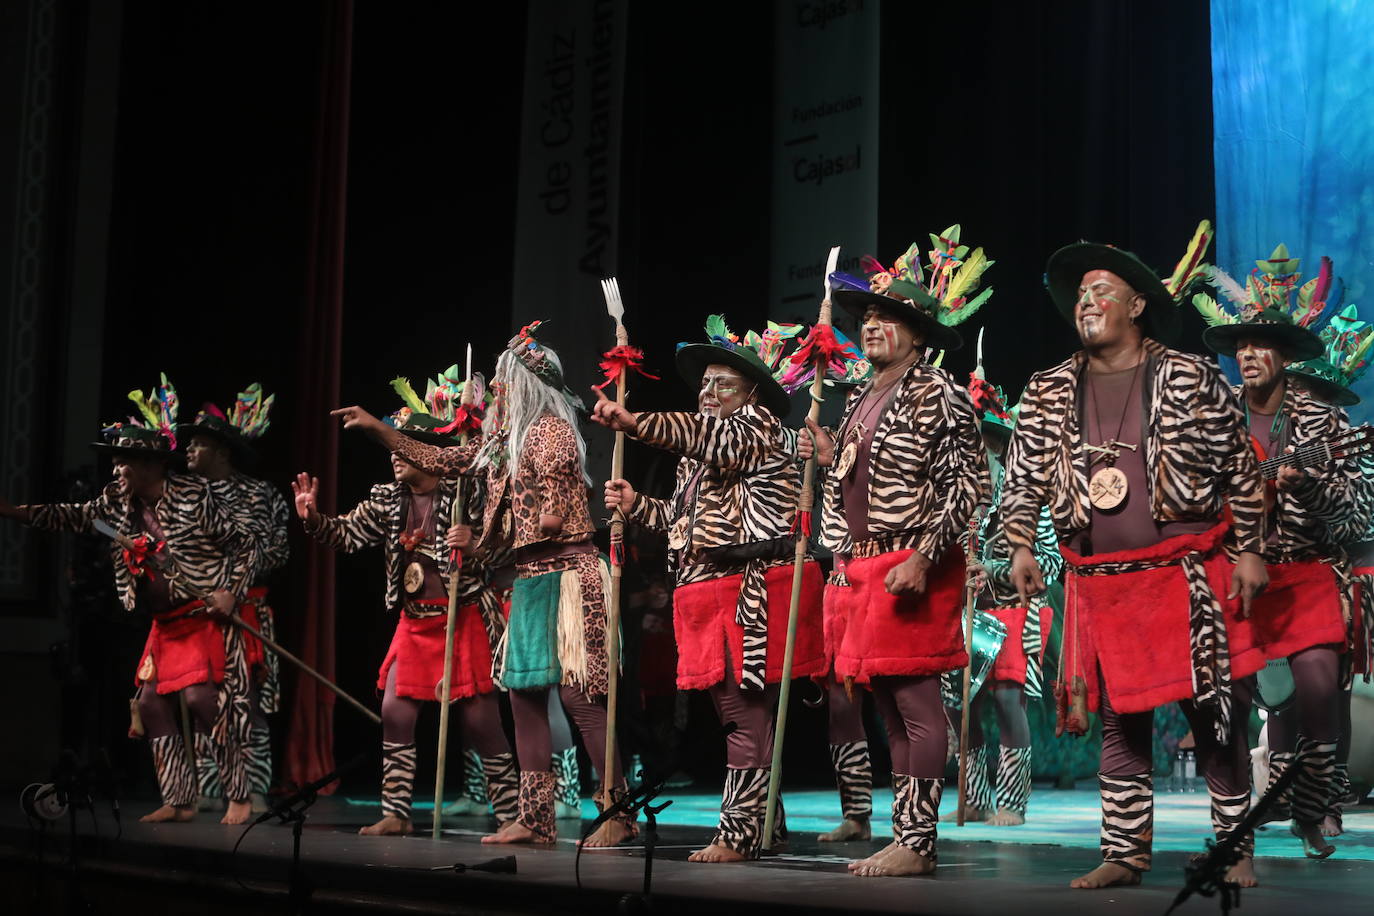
(306, 490)
(356, 418)
(612, 415)
(824, 445)
(620, 495)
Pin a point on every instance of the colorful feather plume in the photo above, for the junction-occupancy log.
(719, 332)
(158, 409)
(408, 396)
(1190, 268)
(251, 411)
(824, 345)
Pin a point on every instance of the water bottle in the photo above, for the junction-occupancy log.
(1190, 771)
(1176, 774)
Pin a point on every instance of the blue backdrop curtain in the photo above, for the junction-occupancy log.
(1294, 140)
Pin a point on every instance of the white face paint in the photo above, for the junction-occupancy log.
(1103, 307)
(723, 391)
(1260, 362)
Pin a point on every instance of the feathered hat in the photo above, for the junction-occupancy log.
(757, 357)
(441, 416)
(245, 423)
(1347, 342)
(932, 299)
(1266, 306)
(1066, 267)
(534, 356)
(153, 432)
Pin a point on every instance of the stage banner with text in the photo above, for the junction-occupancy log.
(825, 147)
(568, 196)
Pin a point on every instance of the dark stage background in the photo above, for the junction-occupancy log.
(194, 223)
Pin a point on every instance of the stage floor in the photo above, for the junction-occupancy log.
(189, 867)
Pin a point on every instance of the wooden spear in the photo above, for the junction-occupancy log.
(455, 573)
(804, 505)
(615, 307)
(969, 596)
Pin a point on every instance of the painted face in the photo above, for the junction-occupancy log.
(135, 473)
(407, 473)
(887, 340)
(1106, 308)
(723, 391)
(202, 452)
(1260, 362)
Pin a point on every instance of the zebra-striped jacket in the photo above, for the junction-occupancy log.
(258, 508)
(205, 544)
(994, 551)
(1313, 519)
(927, 468)
(377, 521)
(1197, 453)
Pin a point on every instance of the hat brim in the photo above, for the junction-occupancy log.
(857, 303)
(116, 450)
(429, 438)
(1324, 389)
(1066, 267)
(692, 360)
(1296, 343)
(995, 428)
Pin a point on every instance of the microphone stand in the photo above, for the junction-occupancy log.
(292, 810)
(1207, 876)
(634, 802)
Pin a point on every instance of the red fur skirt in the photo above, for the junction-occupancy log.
(887, 634)
(1300, 609)
(1134, 626)
(417, 651)
(1011, 663)
(182, 652)
(704, 623)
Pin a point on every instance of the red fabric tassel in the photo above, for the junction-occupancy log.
(466, 418)
(618, 551)
(823, 348)
(137, 559)
(615, 361)
(802, 519)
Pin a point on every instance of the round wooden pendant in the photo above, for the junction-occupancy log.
(847, 456)
(414, 579)
(677, 535)
(1107, 489)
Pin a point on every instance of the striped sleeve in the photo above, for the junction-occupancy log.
(1030, 458)
(365, 525)
(958, 473)
(743, 441)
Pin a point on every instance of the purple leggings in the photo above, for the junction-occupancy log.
(1126, 743)
(159, 711)
(479, 719)
(915, 720)
(750, 745)
(1318, 709)
(846, 718)
(534, 741)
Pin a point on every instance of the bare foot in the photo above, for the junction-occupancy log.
(170, 814)
(715, 853)
(1331, 826)
(1107, 875)
(516, 832)
(851, 828)
(900, 862)
(1242, 874)
(1005, 817)
(387, 826)
(970, 815)
(875, 858)
(611, 833)
(238, 812)
(1314, 846)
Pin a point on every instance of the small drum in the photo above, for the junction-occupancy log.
(988, 635)
(1274, 686)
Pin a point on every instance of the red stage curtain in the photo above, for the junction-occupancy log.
(310, 731)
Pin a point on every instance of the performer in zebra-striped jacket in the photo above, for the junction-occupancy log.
(1330, 378)
(218, 448)
(1302, 615)
(1138, 450)
(729, 525)
(182, 519)
(1016, 672)
(534, 459)
(409, 519)
(901, 492)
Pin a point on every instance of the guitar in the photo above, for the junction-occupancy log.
(1356, 441)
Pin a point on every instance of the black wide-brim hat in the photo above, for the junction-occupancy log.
(857, 302)
(1064, 274)
(136, 441)
(1323, 379)
(421, 427)
(693, 358)
(1294, 342)
(241, 454)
